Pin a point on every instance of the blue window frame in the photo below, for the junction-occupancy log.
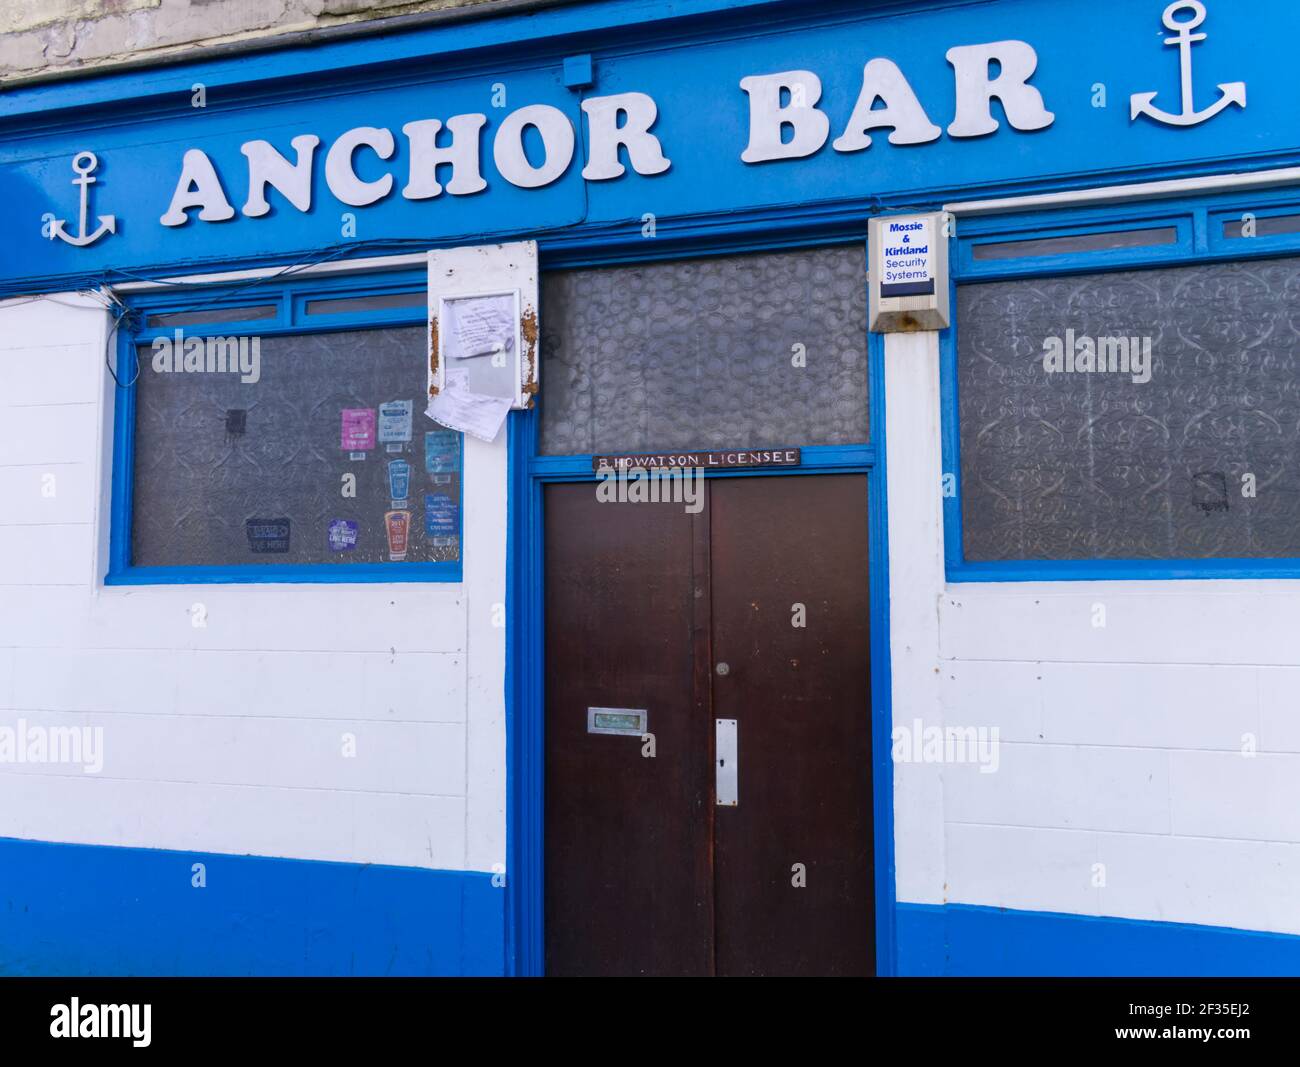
(1154, 233)
(268, 308)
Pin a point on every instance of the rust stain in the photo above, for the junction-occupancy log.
(433, 354)
(528, 328)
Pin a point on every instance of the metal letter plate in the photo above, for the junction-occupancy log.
(627, 722)
(727, 766)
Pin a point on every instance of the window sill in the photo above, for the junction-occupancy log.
(300, 573)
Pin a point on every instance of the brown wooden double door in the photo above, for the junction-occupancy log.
(755, 611)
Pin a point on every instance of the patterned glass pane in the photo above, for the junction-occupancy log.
(229, 472)
(740, 351)
(1191, 452)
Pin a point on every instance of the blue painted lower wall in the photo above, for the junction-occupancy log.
(95, 910)
(961, 940)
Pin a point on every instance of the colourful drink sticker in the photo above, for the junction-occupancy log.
(343, 535)
(395, 421)
(399, 480)
(398, 526)
(441, 451)
(358, 434)
(267, 535)
(440, 514)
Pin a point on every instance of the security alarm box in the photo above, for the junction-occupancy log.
(908, 272)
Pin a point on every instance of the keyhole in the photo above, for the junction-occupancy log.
(722, 669)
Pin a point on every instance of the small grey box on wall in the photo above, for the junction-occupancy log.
(908, 273)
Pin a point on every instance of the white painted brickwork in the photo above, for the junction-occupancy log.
(1121, 745)
(230, 737)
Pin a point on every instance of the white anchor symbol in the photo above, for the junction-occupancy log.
(83, 163)
(1229, 93)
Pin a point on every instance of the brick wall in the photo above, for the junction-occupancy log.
(60, 35)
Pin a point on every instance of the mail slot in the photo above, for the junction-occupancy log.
(629, 722)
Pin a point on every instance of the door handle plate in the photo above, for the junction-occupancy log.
(726, 756)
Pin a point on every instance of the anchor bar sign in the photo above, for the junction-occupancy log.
(1229, 92)
(1002, 71)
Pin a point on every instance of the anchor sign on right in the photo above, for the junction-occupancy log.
(1229, 92)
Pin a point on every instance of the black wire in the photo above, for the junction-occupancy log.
(327, 254)
(133, 320)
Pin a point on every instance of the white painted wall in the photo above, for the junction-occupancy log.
(1121, 745)
(229, 737)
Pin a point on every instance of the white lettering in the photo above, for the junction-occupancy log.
(342, 178)
(1022, 103)
(643, 148)
(557, 143)
(768, 118)
(267, 167)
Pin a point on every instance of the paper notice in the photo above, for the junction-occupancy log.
(473, 413)
(479, 326)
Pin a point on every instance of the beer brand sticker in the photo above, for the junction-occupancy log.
(358, 431)
(440, 514)
(267, 535)
(342, 535)
(399, 481)
(397, 525)
(395, 424)
(441, 451)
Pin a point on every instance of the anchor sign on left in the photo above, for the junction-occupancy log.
(84, 164)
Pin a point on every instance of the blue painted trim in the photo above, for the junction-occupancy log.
(290, 319)
(302, 573)
(969, 268)
(1130, 570)
(965, 940)
(104, 910)
(1198, 220)
(525, 752)
(882, 689)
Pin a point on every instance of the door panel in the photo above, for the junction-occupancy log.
(628, 878)
(644, 873)
(800, 697)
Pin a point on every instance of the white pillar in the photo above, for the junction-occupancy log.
(916, 580)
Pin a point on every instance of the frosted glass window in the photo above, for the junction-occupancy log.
(234, 472)
(736, 351)
(1200, 461)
